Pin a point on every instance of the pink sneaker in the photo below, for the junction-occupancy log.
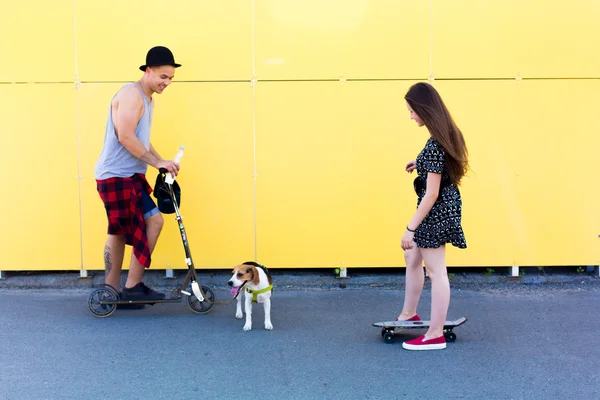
(415, 318)
(421, 344)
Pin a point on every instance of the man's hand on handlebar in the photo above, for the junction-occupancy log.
(170, 166)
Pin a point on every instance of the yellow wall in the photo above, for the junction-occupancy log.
(295, 128)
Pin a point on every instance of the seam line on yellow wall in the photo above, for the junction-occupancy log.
(521, 79)
(177, 81)
(559, 78)
(75, 59)
(338, 80)
(78, 133)
(424, 78)
(430, 39)
(37, 83)
(253, 85)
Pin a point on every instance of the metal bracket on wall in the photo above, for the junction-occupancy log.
(342, 272)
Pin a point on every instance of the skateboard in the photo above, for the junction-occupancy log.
(388, 328)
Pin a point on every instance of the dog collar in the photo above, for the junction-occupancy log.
(255, 293)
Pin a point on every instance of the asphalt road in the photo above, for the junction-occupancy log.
(534, 344)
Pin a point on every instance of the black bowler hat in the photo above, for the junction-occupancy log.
(158, 56)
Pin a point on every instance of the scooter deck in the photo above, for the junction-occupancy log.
(417, 324)
(146, 301)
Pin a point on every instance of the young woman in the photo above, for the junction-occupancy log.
(440, 167)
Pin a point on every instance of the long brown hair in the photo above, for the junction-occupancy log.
(428, 105)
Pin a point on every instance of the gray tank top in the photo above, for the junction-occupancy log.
(115, 160)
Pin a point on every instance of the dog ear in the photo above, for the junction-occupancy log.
(255, 276)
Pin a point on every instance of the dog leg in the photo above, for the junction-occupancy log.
(267, 306)
(248, 325)
(238, 308)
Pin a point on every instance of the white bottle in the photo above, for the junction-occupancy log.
(179, 155)
(169, 179)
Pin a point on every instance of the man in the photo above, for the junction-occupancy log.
(133, 217)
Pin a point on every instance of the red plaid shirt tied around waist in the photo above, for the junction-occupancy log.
(122, 199)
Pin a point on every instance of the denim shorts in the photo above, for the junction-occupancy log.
(149, 206)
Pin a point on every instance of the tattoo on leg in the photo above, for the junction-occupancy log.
(107, 262)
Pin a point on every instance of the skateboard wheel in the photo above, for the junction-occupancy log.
(385, 330)
(450, 336)
(389, 337)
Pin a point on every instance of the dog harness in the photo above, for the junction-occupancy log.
(255, 293)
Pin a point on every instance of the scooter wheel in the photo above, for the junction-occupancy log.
(202, 307)
(96, 299)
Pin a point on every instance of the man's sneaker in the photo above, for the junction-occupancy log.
(421, 344)
(415, 318)
(133, 306)
(141, 292)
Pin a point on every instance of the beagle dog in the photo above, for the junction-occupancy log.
(256, 279)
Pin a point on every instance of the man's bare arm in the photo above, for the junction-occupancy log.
(155, 153)
(126, 120)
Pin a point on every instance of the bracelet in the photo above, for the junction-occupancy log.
(410, 230)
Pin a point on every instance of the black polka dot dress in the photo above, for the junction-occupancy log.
(443, 222)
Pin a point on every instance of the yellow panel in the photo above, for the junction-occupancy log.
(491, 208)
(40, 200)
(533, 153)
(558, 186)
(212, 40)
(331, 188)
(216, 175)
(37, 43)
(315, 39)
(537, 38)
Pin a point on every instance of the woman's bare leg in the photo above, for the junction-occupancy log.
(435, 263)
(415, 278)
